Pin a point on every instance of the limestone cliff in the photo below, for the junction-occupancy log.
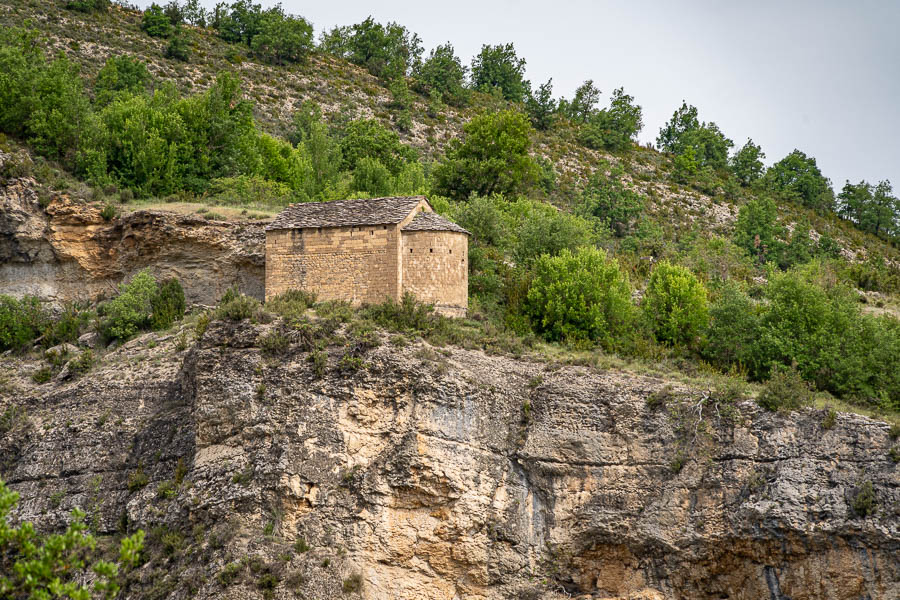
(446, 473)
(68, 251)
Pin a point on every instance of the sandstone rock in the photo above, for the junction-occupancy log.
(61, 350)
(422, 476)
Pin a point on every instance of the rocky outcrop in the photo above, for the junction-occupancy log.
(67, 251)
(423, 473)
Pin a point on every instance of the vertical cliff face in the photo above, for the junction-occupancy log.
(67, 251)
(445, 473)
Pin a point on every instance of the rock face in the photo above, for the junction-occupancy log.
(447, 474)
(67, 251)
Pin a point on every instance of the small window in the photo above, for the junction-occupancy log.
(451, 250)
(431, 249)
(384, 226)
(372, 232)
(410, 250)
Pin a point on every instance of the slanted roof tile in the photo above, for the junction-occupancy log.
(345, 213)
(429, 221)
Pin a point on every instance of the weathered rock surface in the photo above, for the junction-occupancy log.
(67, 251)
(446, 474)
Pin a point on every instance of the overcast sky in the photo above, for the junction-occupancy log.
(822, 76)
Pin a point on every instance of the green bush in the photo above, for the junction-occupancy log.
(36, 565)
(167, 304)
(130, 311)
(235, 306)
(120, 75)
(675, 304)
(21, 321)
(282, 39)
(443, 73)
(608, 200)
(785, 391)
(734, 329)
(292, 304)
(88, 6)
(179, 48)
(367, 138)
(387, 51)
(580, 296)
(155, 22)
(498, 68)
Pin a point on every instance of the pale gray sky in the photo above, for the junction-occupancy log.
(822, 76)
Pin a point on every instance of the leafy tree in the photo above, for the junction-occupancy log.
(873, 209)
(323, 150)
(498, 67)
(282, 38)
(583, 295)
(614, 128)
(368, 138)
(239, 22)
(167, 305)
(733, 331)
(39, 566)
(372, 177)
(747, 163)
(797, 178)
(686, 166)
(671, 135)
(675, 304)
(443, 72)
(492, 157)
(156, 23)
(800, 249)
(606, 198)
(386, 51)
(583, 104)
(195, 14)
(709, 144)
(541, 107)
(120, 74)
(756, 230)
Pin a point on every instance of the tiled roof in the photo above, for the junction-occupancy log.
(345, 213)
(429, 221)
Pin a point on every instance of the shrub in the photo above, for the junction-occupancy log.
(282, 38)
(155, 22)
(675, 304)
(386, 51)
(608, 200)
(82, 363)
(292, 304)
(21, 321)
(443, 73)
(88, 6)
(498, 68)
(42, 375)
(274, 343)
(864, 501)
(785, 391)
(179, 48)
(235, 306)
(34, 565)
(733, 331)
(580, 296)
(167, 305)
(130, 311)
(120, 74)
(368, 138)
(108, 212)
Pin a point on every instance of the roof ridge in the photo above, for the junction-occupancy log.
(346, 212)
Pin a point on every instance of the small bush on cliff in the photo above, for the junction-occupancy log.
(167, 304)
(34, 565)
(21, 321)
(235, 306)
(785, 391)
(864, 502)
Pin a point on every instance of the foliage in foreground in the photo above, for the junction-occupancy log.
(38, 566)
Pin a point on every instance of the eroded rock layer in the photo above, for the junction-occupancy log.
(446, 473)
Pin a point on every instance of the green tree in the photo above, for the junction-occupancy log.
(156, 23)
(498, 67)
(545, 230)
(120, 74)
(21, 321)
(131, 310)
(492, 157)
(368, 138)
(757, 231)
(39, 566)
(282, 38)
(178, 48)
(443, 72)
(606, 198)
(88, 6)
(797, 178)
(583, 295)
(386, 51)
(747, 163)
(311, 132)
(873, 209)
(541, 107)
(733, 331)
(583, 103)
(614, 128)
(675, 304)
(372, 177)
(671, 135)
(238, 22)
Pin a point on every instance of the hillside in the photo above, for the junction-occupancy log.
(679, 375)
